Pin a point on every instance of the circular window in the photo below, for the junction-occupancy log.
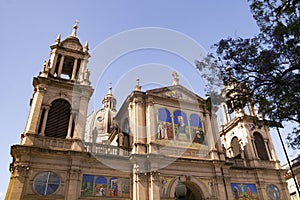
(46, 183)
(273, 192)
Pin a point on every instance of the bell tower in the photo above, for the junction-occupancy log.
(62, 91)
(245, 133)
(46, 160)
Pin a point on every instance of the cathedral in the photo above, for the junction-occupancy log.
(163, 143)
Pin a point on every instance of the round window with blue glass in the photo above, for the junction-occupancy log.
(273, 192)
(46, 183)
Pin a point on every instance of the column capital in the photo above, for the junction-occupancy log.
(141, 177)
(40, 88)
(46, 107)
(74, 174)
(155, 176)
(19, 170)
(74, 111)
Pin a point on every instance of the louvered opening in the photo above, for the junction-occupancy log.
(260, 146)
(58, 119)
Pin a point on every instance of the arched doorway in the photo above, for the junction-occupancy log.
(194, 192)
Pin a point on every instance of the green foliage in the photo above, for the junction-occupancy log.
(267, 64)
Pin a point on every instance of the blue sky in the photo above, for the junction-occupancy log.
(29, 27)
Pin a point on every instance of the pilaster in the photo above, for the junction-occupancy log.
(35, 110)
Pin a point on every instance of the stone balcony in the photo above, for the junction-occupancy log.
(103, 149)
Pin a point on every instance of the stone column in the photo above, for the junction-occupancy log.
(75, 117)
(223, 183)
(209, 133)
(46, 108)
(82, 114)
(267, 148)
(190, 132)
(82, 70)
(254, 148)
(53, 59)
(74, 70)
(70, 125)
(73, 183)
(173, 127)
(141, 187)
(35, 109)
(151, 126)
(140, 124)
(17, 183)
(60, 66)
(154, 193)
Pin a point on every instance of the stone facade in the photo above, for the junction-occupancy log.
(157, 138)
(295, 164)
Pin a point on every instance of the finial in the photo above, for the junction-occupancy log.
(137, 85)
(75, 28)
(86, 46)
(175, 78)
(57, 40)
(110, 88)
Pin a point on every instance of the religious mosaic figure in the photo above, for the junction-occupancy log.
(160, 130)
(181, 125)
(164, 131)
(199, 137)
(100, 190)
(164, 186)
(114, 188)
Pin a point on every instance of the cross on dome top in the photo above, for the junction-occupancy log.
(75, 26)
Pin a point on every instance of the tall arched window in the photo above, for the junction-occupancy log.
(181, 122)
(58, 119)
(195, 121)
(260, 146)
(164, 125)
(164, 115)
(126, 133)
(235, 146)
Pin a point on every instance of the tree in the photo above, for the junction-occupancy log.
(268, 63)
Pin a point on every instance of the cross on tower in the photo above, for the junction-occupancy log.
(75, 28)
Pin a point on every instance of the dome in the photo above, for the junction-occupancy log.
(101, 123)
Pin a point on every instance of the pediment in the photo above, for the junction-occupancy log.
(177, 92)
(72, 43)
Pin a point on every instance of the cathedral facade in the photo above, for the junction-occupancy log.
(160, 144)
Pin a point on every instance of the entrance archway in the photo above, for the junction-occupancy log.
(196, 189)
(194, 192)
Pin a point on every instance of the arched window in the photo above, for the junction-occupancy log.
(197, 133)
(180, 120)
(126, 126)
(126, 133)
(235, 146)
(260, 146)
(195, 121)
(101, 186)
(164, 115)
(180, 115)
(58, 119)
